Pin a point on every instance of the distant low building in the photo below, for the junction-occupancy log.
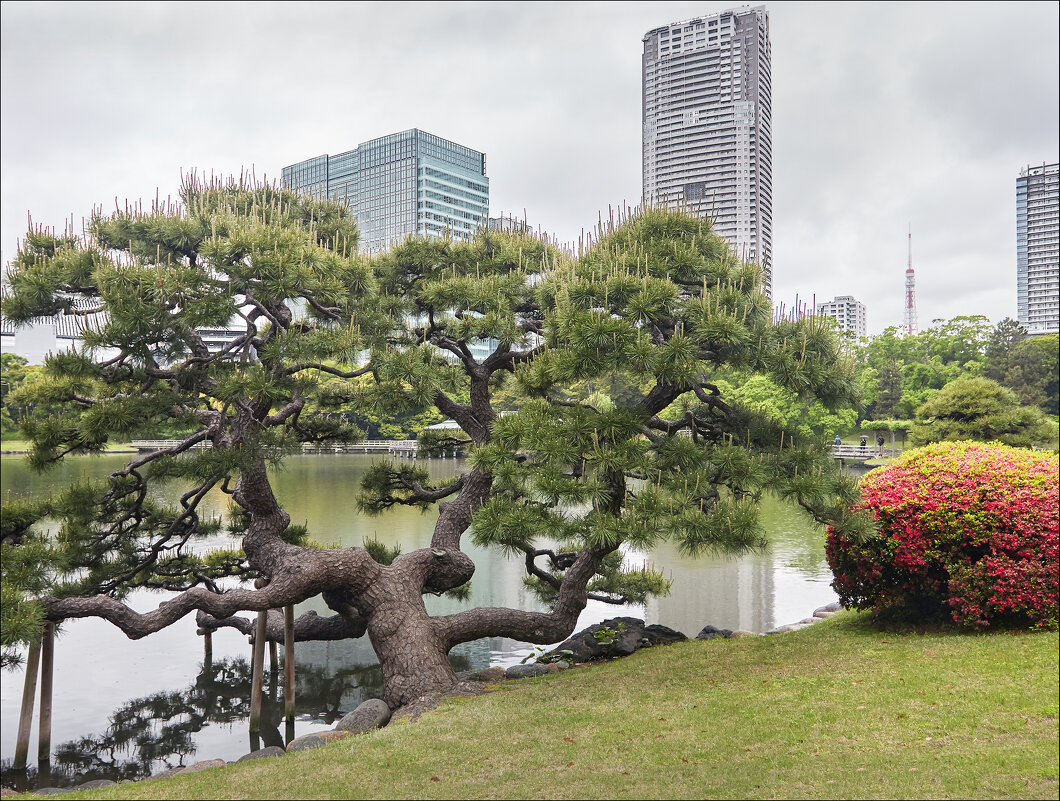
(848, 312)
(36, 340)
(508, 224)
(43, 336)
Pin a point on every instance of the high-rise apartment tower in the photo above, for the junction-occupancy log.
(407, 183)
(707, 135)
(1038, 248)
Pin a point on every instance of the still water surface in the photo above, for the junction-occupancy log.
(127, 709)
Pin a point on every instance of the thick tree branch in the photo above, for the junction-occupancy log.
(474, 418)
(260, 309)
(324, 368)
(509, 359)
(304, 572)
(291, 409)
(457, 347)
(236, 344)
(562, 561)
(535, 627)
(713, 400)
(454, 517)
(571, 404)
(137, 625)
(308, 627)
(331, 312)
(671, 426)
(431, 494)
(533, 570)
(181, 447)
(660, 396)
(192, 339)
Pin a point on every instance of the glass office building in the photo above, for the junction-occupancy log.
(406, 183)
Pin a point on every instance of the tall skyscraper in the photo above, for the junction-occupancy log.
(1038, 248)
(407, 183)
(848, 312)
(707, 135)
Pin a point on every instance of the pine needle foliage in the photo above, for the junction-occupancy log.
(284, 272)
(619, 435)
(662, 299)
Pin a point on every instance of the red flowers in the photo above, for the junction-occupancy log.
(966, 530)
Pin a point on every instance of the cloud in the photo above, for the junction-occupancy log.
(885, 115)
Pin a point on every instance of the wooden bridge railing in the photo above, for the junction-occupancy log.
(856, 452)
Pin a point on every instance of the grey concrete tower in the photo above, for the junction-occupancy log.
(707, 126)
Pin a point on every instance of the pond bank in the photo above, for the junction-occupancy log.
(161, 685)
(835, 710)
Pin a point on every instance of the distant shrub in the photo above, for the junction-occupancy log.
(967, 531)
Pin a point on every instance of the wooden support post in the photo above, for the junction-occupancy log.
(25, 718)
(288, 662)
(274, 675)
(257, 669)
(207, 652)
(44, 729)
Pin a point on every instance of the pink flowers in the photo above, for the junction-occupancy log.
(966, 530)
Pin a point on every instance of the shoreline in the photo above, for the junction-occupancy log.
(101, 453)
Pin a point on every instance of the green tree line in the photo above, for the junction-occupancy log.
(899, 374)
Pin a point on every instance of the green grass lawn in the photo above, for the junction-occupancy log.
(837, 710)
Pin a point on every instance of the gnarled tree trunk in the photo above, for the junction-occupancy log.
(414, 659)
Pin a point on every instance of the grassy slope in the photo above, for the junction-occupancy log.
(838, 710)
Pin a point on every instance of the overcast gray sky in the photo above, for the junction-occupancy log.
(885, 115)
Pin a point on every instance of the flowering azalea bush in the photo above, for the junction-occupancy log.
(967, 531)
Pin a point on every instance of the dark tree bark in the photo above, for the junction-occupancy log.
(308, 627)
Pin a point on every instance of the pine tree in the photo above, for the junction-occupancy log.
(981, 409)
(889, 390)
(658, 299)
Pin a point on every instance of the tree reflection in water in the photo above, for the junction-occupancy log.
(149, 735)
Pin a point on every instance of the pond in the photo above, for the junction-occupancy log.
(128, 709)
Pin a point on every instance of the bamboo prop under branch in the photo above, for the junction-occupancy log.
(25, 718)
(47, 664)
(288, 663)
(257, 668)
